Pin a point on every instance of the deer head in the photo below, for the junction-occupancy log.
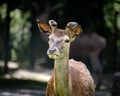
(59, 39)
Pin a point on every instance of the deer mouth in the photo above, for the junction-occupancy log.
(53, 56)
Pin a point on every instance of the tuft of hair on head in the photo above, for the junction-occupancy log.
(52, 23)
(73, 29)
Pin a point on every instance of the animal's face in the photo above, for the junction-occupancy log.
(59, 39)
(58, 46)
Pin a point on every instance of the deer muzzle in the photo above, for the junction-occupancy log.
(53, 53)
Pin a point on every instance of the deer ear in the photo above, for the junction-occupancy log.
(44, 27)
(73, 30)
(77, 31)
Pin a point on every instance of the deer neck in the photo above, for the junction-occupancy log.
(62, 77)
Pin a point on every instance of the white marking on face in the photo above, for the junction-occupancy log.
(57, 45)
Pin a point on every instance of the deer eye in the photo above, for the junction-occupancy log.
(67, 41)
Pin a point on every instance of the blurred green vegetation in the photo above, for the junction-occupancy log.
(20, 34)
(111, 12)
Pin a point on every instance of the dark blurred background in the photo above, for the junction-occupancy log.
(22, 44)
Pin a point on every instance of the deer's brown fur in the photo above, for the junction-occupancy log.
(82, 83)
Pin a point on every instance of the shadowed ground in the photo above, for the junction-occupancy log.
(36, 92)
(33, 83)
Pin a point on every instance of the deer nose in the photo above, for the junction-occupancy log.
(52, 50)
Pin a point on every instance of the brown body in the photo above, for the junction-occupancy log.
(82, 82)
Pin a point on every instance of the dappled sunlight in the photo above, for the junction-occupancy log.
(41, 75)
(31, 75)
(11, 65)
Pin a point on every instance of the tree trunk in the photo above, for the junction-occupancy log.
(7, 39)
(115, 49)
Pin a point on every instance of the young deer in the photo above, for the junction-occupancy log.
(70, 78)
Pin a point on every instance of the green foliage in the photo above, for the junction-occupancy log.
(118, 43)
(112, 20)
(3, 9)
(116, 5)
(112, 15)
(20, 33)
(109, 14)
(19, 28)
(118, 21)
